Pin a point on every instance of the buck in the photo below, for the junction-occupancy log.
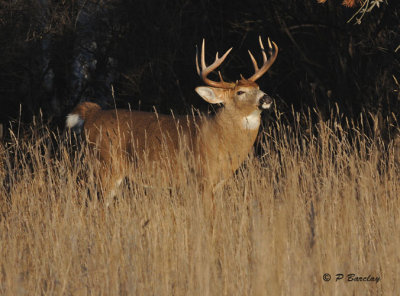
(219, 143)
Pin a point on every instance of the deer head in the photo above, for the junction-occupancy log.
(244, 96)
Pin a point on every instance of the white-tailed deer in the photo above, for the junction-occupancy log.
(220, 143)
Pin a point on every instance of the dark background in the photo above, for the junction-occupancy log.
(55, 54)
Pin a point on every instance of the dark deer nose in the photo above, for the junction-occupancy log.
(265, 102)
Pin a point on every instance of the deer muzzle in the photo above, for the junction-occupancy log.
(265, 102)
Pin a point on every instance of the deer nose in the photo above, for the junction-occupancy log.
(265, 102)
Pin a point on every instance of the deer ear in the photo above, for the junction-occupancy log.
(210, 94)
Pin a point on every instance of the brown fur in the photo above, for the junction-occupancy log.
(219, 143)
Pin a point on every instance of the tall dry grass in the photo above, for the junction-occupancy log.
(322, 199)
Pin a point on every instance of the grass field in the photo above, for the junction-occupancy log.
(320, 200)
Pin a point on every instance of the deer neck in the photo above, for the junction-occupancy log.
(226, 141)
(231, 121)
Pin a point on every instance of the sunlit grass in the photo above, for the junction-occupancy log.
(322, 199)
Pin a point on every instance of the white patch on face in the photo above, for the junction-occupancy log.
(266, 106)
(252, 121)
(260, 95)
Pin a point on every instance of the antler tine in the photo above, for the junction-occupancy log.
(204, 71)
(269, 44)
(267, 63)
(262, 49)
(197, 60)
(220, 76)
(203, 58)
(254, 61)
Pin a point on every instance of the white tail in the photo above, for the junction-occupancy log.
(220, 143)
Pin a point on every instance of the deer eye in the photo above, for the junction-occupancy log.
(240, 92)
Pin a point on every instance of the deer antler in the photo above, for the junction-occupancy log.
(267, 63)
(205, 70)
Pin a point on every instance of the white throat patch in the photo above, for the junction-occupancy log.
(252, 121)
